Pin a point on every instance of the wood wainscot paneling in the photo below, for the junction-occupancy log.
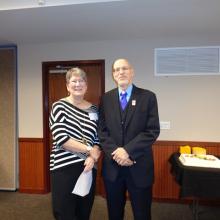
(32, 169)
(165, 187)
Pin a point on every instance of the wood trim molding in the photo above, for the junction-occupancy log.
(191, 143)
(30, 140)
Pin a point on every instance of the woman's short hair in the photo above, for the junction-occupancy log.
(75, 71)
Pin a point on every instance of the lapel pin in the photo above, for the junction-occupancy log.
(133, 103)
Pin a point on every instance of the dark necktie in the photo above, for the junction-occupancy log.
(123, 100)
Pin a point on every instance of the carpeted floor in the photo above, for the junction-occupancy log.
(20, 206)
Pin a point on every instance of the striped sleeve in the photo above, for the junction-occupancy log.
(57, 124)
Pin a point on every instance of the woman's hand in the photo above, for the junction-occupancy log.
(95, 153)
(89, 163)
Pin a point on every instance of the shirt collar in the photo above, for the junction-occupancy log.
(128, 90)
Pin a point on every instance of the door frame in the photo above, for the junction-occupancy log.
(46, 111)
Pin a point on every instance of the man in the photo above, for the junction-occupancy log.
(128, 126)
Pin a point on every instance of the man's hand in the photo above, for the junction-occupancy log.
(127, 163)
(121, 156)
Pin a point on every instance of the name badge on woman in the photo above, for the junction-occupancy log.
(93, 116)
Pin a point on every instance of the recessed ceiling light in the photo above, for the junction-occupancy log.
(41, 2)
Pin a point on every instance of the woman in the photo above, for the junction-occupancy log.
(73, 123)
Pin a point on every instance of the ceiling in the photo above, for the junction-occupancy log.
(113, 20)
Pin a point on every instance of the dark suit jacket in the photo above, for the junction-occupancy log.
(141, 129)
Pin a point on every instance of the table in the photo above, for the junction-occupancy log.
(196, 182)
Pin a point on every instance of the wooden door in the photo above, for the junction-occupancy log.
(55, 88)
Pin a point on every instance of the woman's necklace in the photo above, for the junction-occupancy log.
(78, 104)
(84, 141)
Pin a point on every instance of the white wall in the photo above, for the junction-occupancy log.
(190, 103)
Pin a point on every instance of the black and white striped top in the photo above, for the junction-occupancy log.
(68, 121)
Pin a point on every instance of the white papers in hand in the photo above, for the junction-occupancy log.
(83, 184)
